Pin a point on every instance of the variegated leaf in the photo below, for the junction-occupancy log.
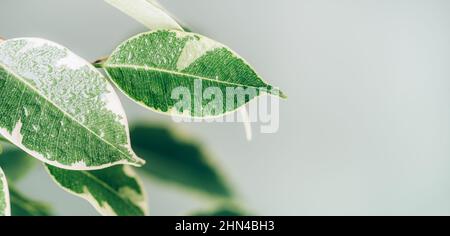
(5, 207)
(184, 73)
(115, 191)
(60, 109)
(148, 12)
(162, 20)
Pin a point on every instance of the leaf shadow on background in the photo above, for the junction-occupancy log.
(176, 160)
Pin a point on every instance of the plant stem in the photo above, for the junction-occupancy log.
(99, 63)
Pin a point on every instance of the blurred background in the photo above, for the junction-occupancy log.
(366, 128)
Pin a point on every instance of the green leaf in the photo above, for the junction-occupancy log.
(1, 146)
(158, 68)
(224, 210)
(59, 109)
(112, 191)
(16, 163)
(148, 12)
(23, 206)
(5, 208)
(176, 160)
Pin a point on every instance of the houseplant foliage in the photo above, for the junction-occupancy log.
(5, 207)
(16, 164)
(24, 206)
(59, 109)
(183, 59)
(179, 160)
(61, 101)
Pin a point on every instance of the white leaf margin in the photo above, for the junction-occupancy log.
(113, 104)
(5, 190)
(148, 12)
(151, 14)
(106, 210)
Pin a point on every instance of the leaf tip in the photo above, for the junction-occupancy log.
(277, 92)
(283, 95)
(137, 162)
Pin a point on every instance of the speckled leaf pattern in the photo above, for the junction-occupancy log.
(150, 66)
(148, 12)
(5, 208)
(179, 161)
(59, 109)
(115, 191)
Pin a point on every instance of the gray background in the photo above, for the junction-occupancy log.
(366, 129)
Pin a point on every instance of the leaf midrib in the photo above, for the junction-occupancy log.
(57, 107)
(149, 68)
